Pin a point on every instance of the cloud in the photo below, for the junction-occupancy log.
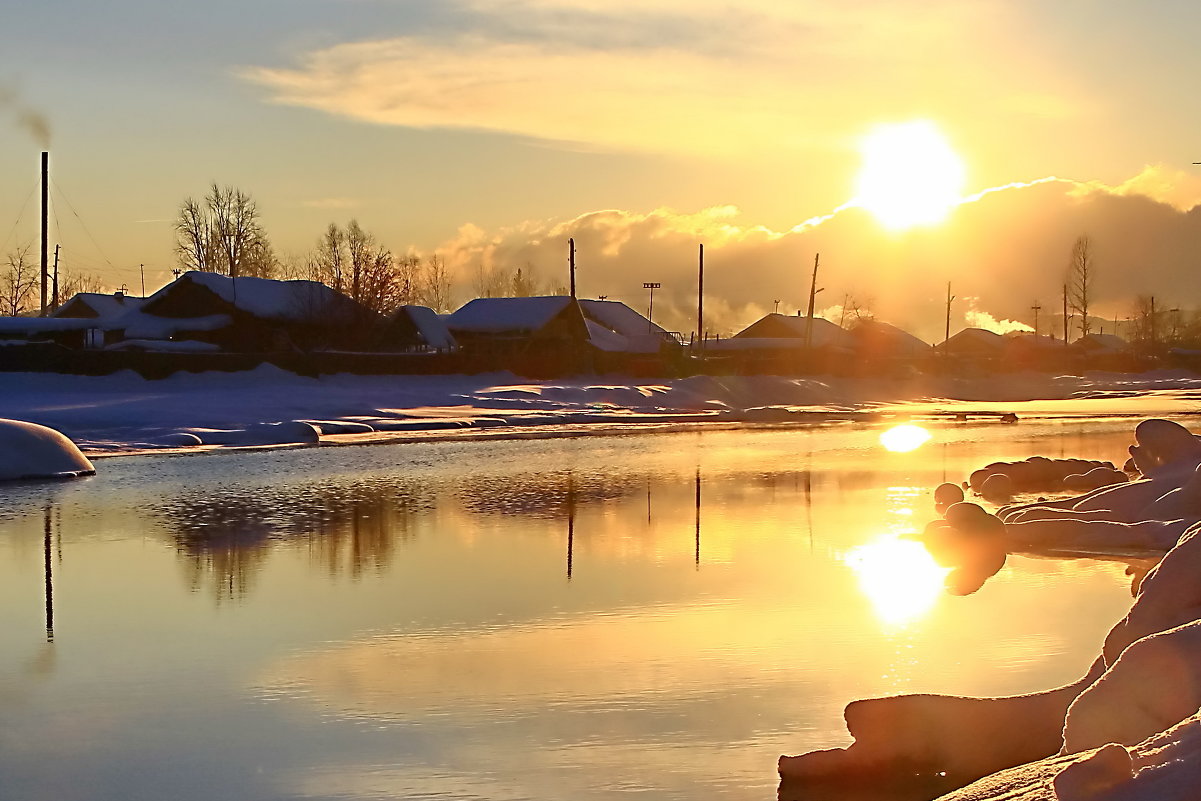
(699, 78)
(1005, 249)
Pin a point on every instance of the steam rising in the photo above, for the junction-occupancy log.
(25, 116)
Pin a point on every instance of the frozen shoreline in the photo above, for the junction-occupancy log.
(124, 413)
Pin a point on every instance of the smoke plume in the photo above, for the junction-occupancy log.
(24, 116)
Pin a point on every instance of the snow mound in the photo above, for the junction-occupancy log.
(28, 450)
(289, 432)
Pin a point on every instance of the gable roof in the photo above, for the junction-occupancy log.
(102, 305)
(620, 318)
(265, 298)
(1102, 342)
(429, 325)
(774, 326)
(506, 315)
(975, 340)
(876, 335)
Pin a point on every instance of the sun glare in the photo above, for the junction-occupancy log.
(899, 577)
(904, 438)
(910, 175)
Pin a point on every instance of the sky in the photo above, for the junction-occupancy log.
(491, 131)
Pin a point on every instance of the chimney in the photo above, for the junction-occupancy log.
(120, 296)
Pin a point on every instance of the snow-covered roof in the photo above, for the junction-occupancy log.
(824, 332)
(619, 317)
(608, 340)
(504, 315)
(974, 339)
(107, 306)
(266, 298)
(876, 333)
(431, 326)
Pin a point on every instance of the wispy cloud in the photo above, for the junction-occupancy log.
(683, 77)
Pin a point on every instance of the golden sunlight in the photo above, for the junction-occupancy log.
(898, 576)
(910, 175)
(904, 438)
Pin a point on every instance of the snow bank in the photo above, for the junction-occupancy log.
(32, 451)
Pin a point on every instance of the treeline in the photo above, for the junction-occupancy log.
(222, 233)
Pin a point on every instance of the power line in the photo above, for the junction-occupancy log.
(99, 249)
(20, 215)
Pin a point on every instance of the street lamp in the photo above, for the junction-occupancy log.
(650, 312)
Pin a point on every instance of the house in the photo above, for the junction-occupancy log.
(875, 341)
(557, 334)
(973, 344)
(98, 306)
(779, 344)
(817, 332)
(418, 328)
(253, 315)
(1099, 344)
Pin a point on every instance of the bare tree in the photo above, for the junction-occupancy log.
(435, 284)
(1081, 272)
(71, 284)
(222, 234)
(19, 281)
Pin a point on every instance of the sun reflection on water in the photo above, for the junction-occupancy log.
(904, 438)
(898, 576)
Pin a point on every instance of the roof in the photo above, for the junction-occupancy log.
(430, 325)
(619, 317)
(876, 334)
(265, 298)
(506, 315)
(824, 332)
(107, 306)
(974, 339)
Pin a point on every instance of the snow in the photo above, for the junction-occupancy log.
(431, 326)
(33, 451)
(108, 307)
(620, 318)
(1129, 729)
(506, 315)
(265, 298)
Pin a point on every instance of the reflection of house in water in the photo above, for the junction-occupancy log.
(347, 530)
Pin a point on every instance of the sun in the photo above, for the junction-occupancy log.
(910, 175)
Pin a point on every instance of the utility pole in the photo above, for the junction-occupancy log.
(650, 312)
(142, 270)
(813, 290)
(1153, 333)
(950, 297)
(700, 294)
(571, 262)
(1065, 315)
(1036, 308)
(54, 294)
(45, 219)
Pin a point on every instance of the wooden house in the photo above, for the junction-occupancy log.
(254, 315)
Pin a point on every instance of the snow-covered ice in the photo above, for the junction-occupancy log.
(33, 451)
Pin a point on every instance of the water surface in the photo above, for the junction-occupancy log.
(582, 618)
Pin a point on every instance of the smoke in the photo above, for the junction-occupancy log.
(976, 318)
(24, 116)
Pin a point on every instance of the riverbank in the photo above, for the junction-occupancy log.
(124, 413)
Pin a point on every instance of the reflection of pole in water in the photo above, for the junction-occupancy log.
(808, 475)
(698, 516)
(648, 500)
(570, 520)
(48, 562)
